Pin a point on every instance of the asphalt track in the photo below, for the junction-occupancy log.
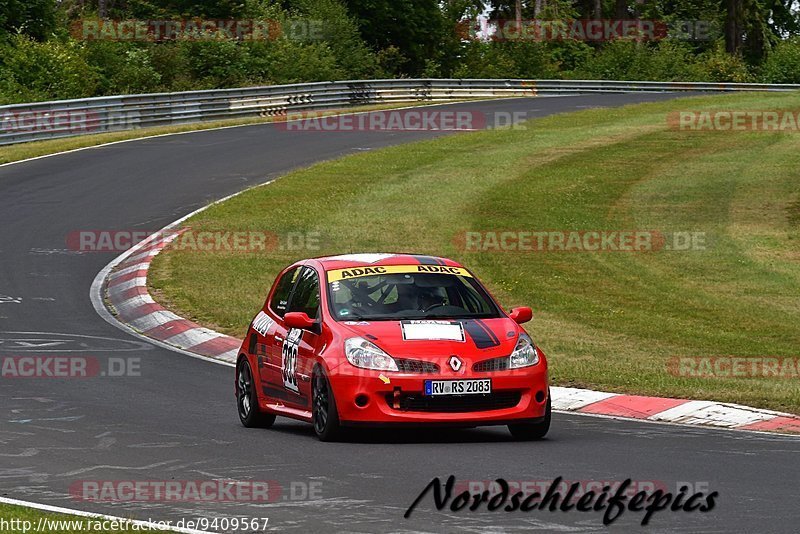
(177, 421)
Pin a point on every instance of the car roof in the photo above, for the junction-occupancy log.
(346, 261)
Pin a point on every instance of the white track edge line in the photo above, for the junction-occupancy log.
(81, 513)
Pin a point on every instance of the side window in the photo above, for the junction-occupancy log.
(280, 298)
(306, 295)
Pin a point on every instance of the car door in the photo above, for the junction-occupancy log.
(271, 334)
(299, 346)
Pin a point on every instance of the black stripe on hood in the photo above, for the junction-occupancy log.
(481, 334)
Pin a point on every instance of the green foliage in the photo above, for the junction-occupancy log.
(391, 62)
(172, 66)
(216, 63)
(288, 61)
(328, 22)
(415, 27)
(486, 60)
(355, 39)
(152, 9)
(630, 60)
(35, 18)
(783, 63)
(667, 60)
(507, 60)
(123, 68)
(716, 65)
(31, 70)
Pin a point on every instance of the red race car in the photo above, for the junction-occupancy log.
(390, 339)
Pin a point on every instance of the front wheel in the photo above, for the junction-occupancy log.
(323, 408)
(247, 401)
(532, 431)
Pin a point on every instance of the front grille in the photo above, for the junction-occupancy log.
(488, 366)
(416, 366)
(456, 403)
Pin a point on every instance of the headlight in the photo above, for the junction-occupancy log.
(366, 355)
(525, 353)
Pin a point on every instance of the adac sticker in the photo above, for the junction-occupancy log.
(357, 272)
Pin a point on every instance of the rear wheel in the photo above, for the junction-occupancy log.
(247, 401)
(323, 408)
(532, 431)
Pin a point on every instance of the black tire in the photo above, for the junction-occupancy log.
(247, 401)
(532, 431)
(324, 415)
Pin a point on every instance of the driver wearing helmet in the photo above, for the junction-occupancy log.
(428, 298)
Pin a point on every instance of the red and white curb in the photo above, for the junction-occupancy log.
(126, 292)
(124, 285)
(666, 410)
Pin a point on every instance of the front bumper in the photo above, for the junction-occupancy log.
(384, 398)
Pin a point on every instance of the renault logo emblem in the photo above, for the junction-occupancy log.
(455, 363)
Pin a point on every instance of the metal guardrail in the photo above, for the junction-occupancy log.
(21, 123)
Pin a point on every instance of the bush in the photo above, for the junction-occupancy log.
(172, 67)
(35, 18)
(339, 32)
(485, 60)
(287, 61)
(507, 60)
(123, 68)
(216, 63)
(51, 70)
(630, 60)
(717, 65)
(783, 63)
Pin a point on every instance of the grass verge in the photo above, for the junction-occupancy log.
(607, 320)
(20, 519)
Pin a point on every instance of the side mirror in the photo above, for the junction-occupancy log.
(299, 320)
(520, 315)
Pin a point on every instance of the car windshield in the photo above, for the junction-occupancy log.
(407, 292)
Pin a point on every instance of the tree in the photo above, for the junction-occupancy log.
(414, 27)
(211, 9)
(733, 31)
(35, 18)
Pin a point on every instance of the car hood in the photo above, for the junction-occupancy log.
(433, 339)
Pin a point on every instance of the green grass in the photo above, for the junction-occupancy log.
(52, 523)
(18, 152)
(609, 321)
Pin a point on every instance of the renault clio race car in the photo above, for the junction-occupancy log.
(390, 339)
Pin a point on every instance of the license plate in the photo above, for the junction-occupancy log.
(481, 386)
